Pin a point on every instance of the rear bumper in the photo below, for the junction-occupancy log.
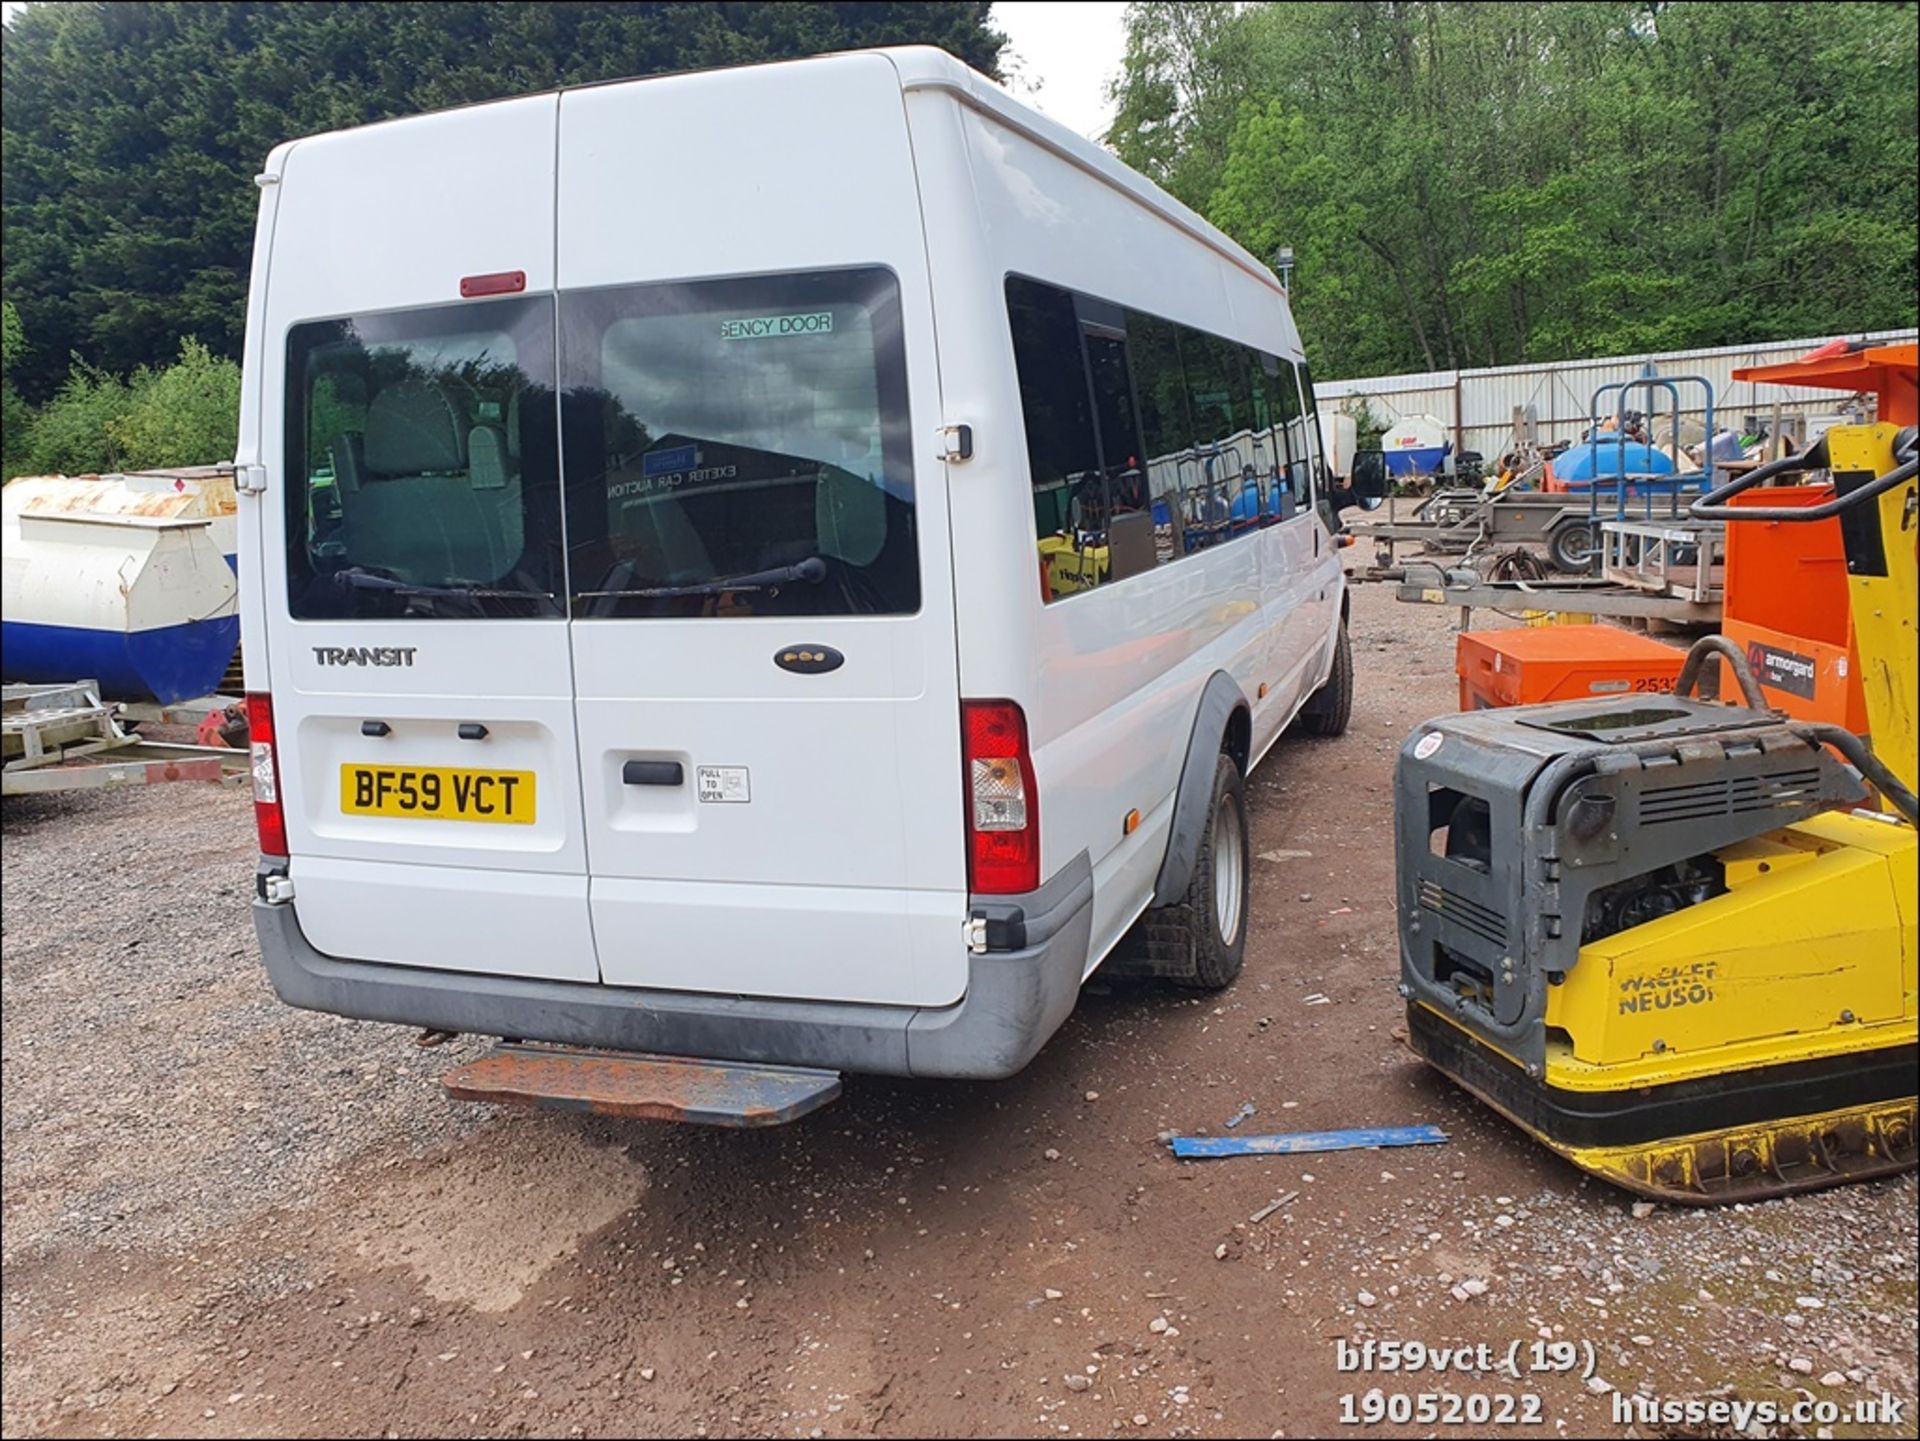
(1015, 1000)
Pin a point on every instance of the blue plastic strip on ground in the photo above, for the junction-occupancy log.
(1202, 1146)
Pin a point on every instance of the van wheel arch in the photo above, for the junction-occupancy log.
(1330, 708)
(1223, 725)
(1200, 941)
(1180, 938)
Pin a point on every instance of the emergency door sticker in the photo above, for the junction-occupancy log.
(762, 327)
(722, 785)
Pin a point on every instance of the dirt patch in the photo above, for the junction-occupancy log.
(225, 1217)
(479, 1229)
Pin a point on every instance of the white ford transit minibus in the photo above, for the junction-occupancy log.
(787, 566)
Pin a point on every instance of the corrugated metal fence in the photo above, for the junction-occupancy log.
(1477, 406)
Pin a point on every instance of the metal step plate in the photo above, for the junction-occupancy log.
(654, 1088)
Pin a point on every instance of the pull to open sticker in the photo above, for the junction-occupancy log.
(819, 322)
(722, 785)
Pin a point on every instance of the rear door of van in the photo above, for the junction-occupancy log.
(763, 634)
(411, 547)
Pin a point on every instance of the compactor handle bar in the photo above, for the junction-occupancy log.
(1713, 505)
(1736, 659)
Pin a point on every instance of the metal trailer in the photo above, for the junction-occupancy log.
(1642, 538)
(1589, 595)
(1467, 522)
(1685, 559)
(65, 738)
(1643, 557)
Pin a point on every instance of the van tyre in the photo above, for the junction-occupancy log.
(1328, 709)
(1200, 941)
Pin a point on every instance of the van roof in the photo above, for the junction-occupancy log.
(926, 67)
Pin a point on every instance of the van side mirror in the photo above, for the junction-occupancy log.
(1370, 475)
(1367, 486)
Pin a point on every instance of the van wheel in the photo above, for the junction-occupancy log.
(1328, 709)
(1200, 940)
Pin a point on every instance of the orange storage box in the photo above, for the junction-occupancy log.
(1789, 608)
(1560, 662)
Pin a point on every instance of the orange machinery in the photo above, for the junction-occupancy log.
(1786, 585)
(1560, 662)
(1786, 602)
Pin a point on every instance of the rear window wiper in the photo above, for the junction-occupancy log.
(812, 570)
(354, 578)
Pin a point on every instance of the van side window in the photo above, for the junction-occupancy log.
(1286, 401)
(1216, 396)
(1166, 427)
(1315, 465)
(1147, 440)
(1054, 397)
(1259, 432)
(738, 448)
(1117, 424)
(421, 474)
(1090, 498)
(1270, 379)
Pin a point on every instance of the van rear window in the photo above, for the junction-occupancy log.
(422, 476)
(738, 447)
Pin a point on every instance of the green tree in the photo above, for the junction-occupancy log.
(15, 416)
(1483, 184)
(1184, 70)
(132, 130)
(1368, 424)
(13, 337)
(77, 431)
(186, 414)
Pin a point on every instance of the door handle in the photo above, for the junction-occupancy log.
(652, 773)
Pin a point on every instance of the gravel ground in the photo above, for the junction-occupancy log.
(142, 1045)
(225, 1217)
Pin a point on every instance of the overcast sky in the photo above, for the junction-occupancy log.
(1063, 54)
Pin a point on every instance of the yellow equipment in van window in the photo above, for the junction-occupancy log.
(1072, 568)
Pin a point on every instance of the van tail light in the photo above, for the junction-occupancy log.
(1003, 804)
(268, 817)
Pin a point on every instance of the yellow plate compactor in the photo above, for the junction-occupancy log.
(1672, 940)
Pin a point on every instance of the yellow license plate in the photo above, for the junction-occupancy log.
(437, 793)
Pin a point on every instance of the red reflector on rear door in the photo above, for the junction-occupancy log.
(501, 282)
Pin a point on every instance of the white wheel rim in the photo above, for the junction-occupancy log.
(1229, 870)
